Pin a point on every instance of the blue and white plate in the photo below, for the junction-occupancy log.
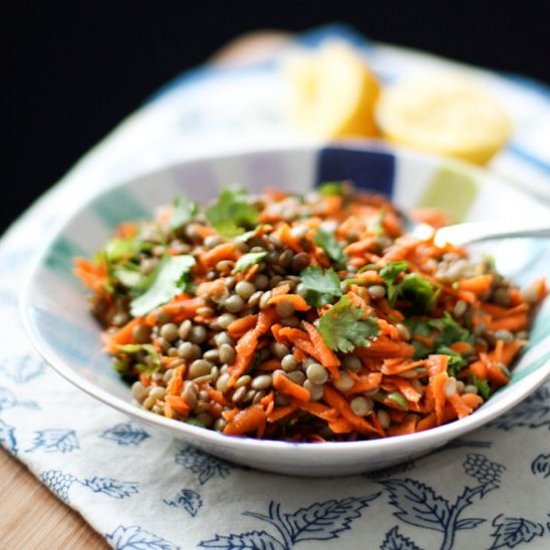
(56, 310)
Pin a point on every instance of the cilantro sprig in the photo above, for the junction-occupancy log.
(321, 286)
(232, 214)
(248, 260)
(344, 326)
(183, 211)
(171, 277)
(327, 241)
(412, 287)
(443, 332)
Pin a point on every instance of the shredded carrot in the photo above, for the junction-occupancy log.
(225, 251)
(327, 356)
(479, 285)
(124, 335)
(281, 412)
(285, 385)
(238, 327)
(438, 382)
(93, 275)
(408, 426)
(176, 382)
(251, 419)
(178, 404)
(461, 347)
(512, 323)
(295, 299)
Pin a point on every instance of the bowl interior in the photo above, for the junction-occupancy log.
(55, 306)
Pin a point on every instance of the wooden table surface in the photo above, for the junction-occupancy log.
(31, 518)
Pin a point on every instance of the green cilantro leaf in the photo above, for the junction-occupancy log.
(327, 241)
(450, 331)
(153, 362)
(321, 285)
(330, 188)
(417, 290)
(169, 277)
(183, 211)
(391, 270)
(117, 248)
(129, 275)
(389, 273)
(482, 387)
(444, 332)
(248, 260)
(232, 214)
(456, 361)
(344, 327)
(399, 399)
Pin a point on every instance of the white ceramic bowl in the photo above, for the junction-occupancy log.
(57, 318)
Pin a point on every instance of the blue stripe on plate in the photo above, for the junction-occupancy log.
(372, 170)
(529, 158)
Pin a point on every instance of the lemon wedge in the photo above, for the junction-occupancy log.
(332, 92)
(445, 114)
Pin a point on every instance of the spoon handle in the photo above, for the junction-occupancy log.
(471, 232)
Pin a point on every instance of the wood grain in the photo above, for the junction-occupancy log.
(31, 518)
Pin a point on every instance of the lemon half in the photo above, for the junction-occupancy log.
(445, 114)
(332, 92)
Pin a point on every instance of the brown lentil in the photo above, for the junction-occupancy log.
(261, 282)
(245, 289)
(225, 319)
(199, 367)
(460, 308)
(266, 296)
(376, 291)
(299, 262)
(261, 382)
(297, 376)
(189, 351)
(205, 311)
(224, 266)
(316, 391)
(141, 334)
(205, 418)
(198, 334)
(361, 406)
(212, 355)
(279, 350)
(139, 391)
(288, 363)
(254, 300)
(317, 374)
(384, 419)
(222, 381)
(219, 424)
(352, 363)
(233, 304)
(239, 394)
(450, 387)
(227, 353)
(403, 331)
(185, 329)
(284, 309)
(243, 380)
(344, 383)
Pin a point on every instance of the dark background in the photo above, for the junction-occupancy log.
(75, 69)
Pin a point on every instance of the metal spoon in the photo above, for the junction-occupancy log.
(473, 232)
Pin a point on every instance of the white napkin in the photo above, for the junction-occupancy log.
(142, 490)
